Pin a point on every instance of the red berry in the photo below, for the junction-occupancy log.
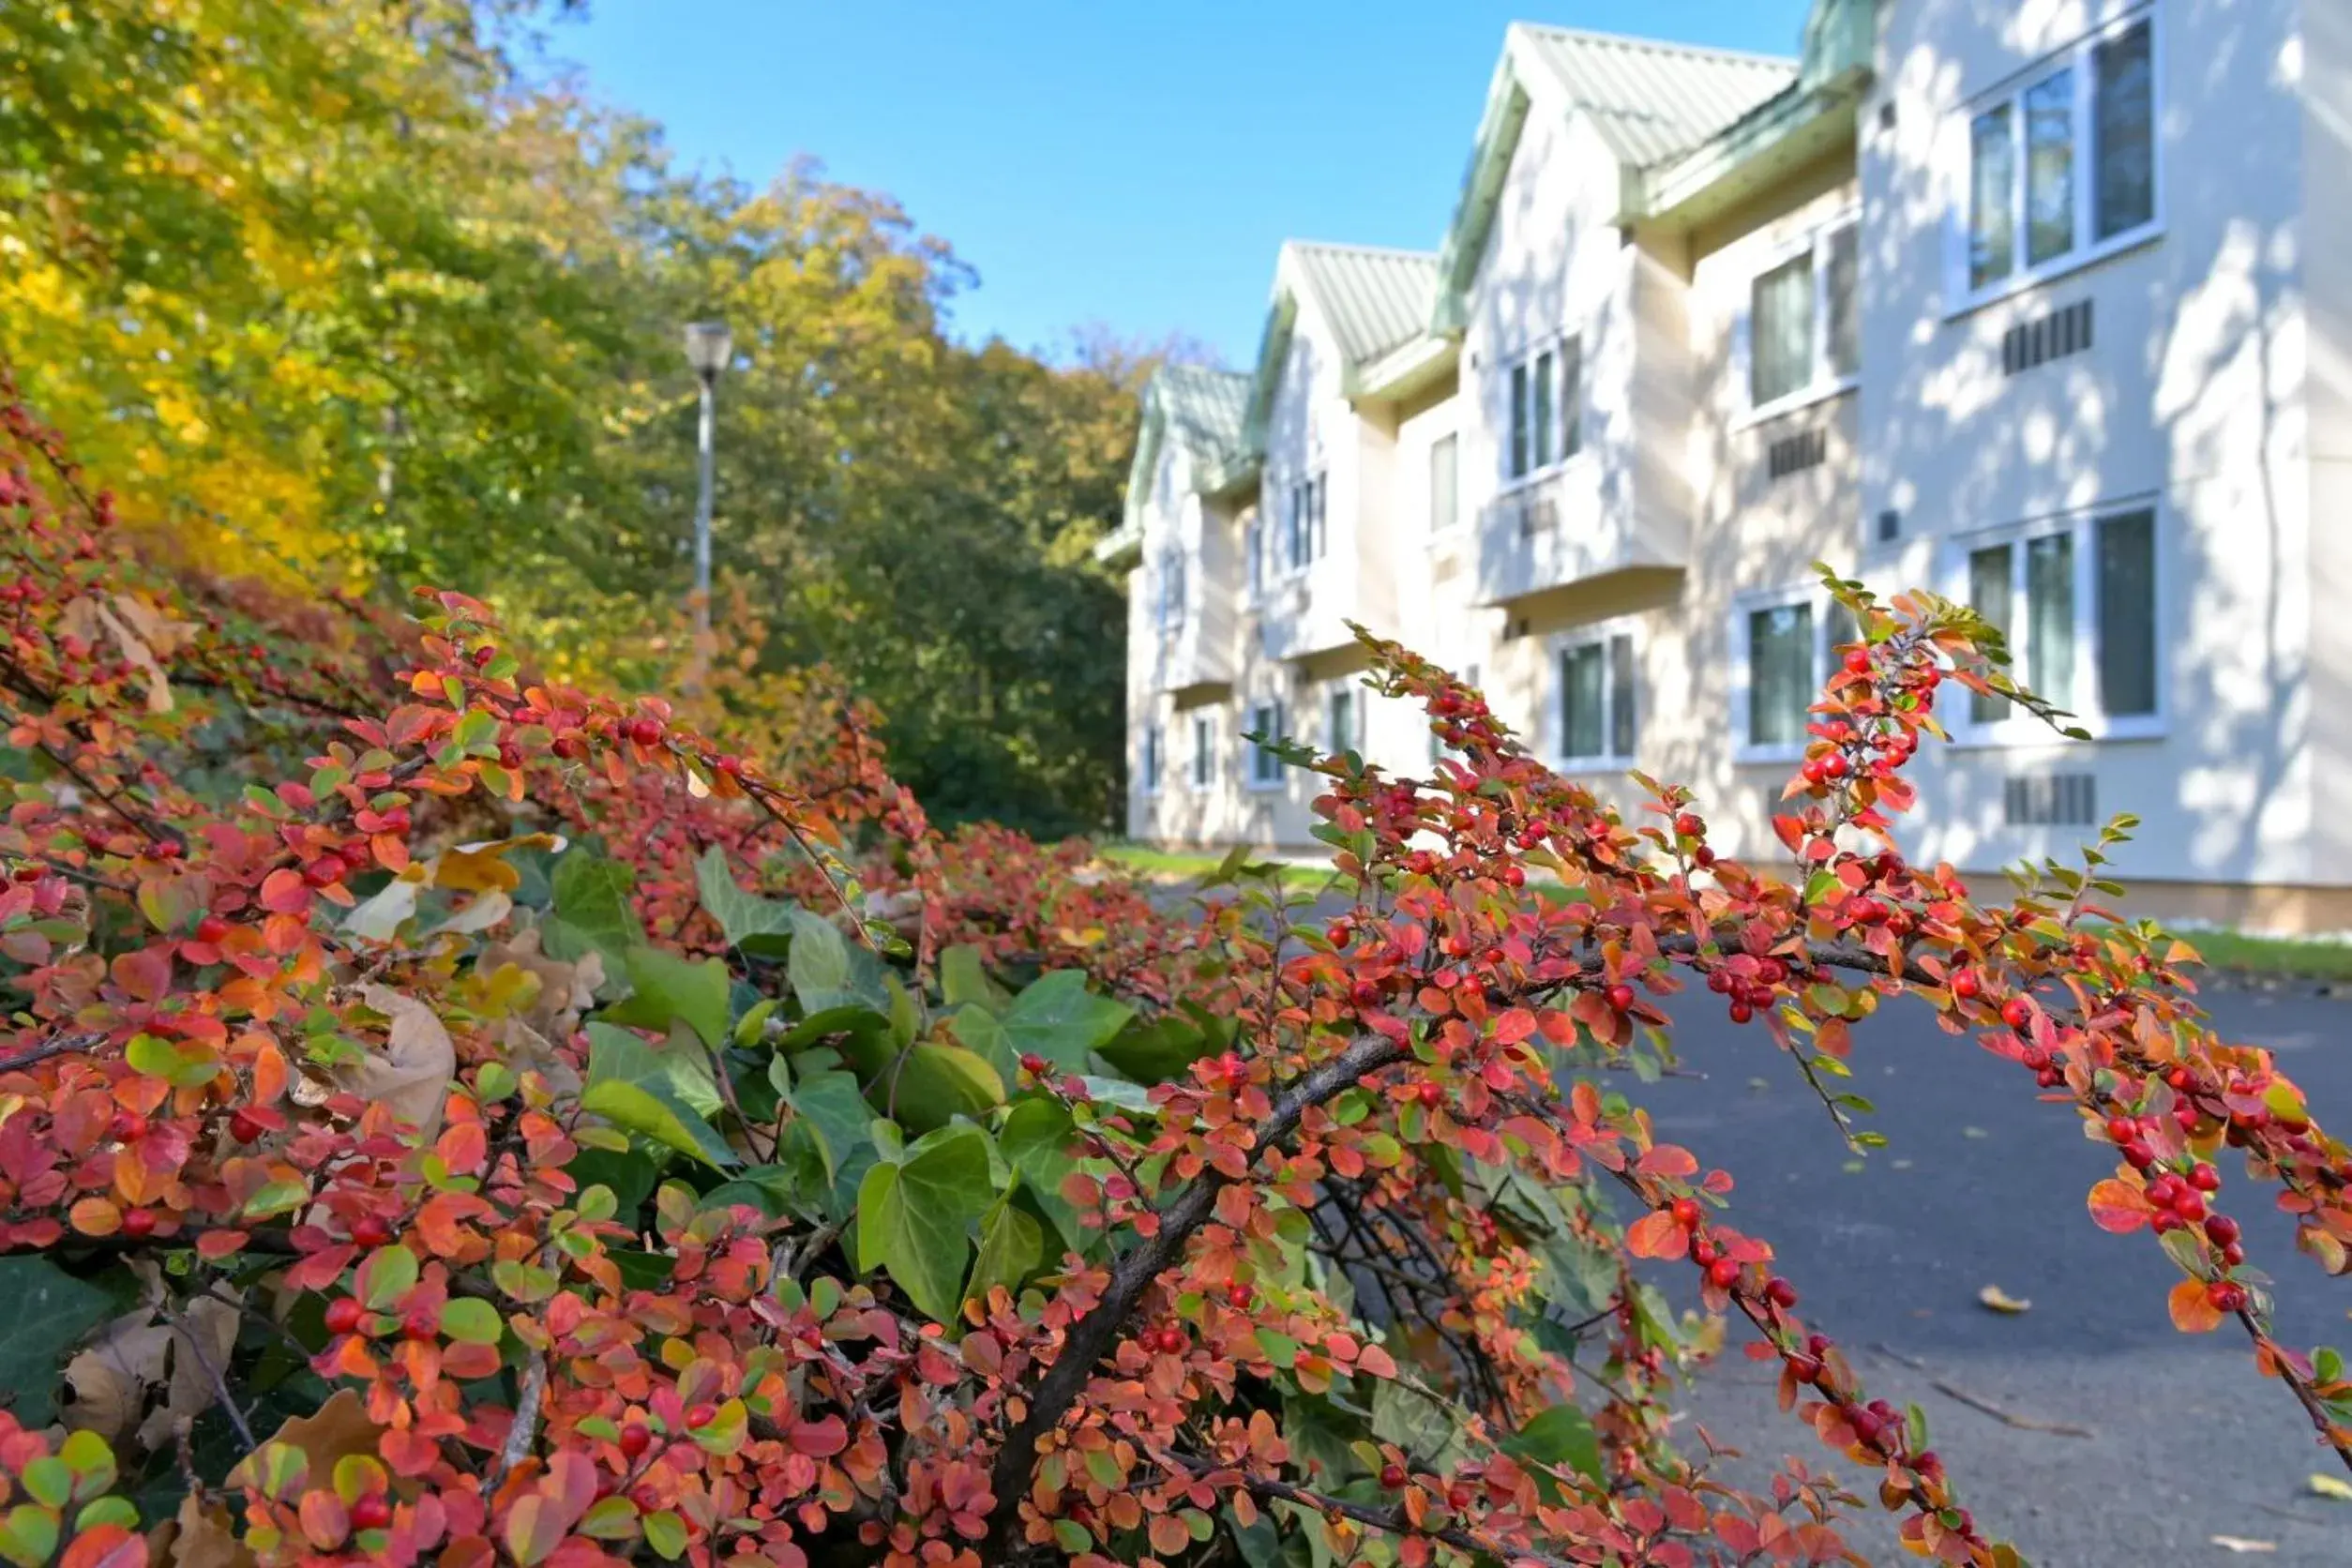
(2017, 1012)
(1365, 993)
(1722, 1273)
(1703, 1251)
(2138, 1155)
(128, 1126)
(2221, 1229)
(1780, 1292)
(2233, 1255)
(1339, 933)
(371, 1511)
(345, 1315)
(138, 1224)
(1393, 1476)
(1741, 1012)
(2189, 1204)
(245, 1127)
(1239, 1295)
(644, 732)
(1620, 996)
(634, 1439)
(1686, 1213)
(1703, 856)
(2206, 1179)
(1689, 824)
(2121, 1129)
(325, 871)
(370, 1230)
(701, 1415)
(1431, 1094)
(167, 849)
(1858, 661)
(2225, 1295)
(1034, 1064)
(211, 928)
(1172, 1341)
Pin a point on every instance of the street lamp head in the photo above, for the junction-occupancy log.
(709, 345)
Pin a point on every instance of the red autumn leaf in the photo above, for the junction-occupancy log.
(2191, 1308)
(1668, 1159)
(1656, 1235)
(2119, 1206)
(284, 892)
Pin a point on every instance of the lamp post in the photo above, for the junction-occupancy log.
(708, 345)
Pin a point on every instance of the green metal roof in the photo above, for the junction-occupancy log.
(1201, 410)
(1374, 299)
(1650, 101)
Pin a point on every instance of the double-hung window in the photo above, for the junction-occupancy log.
(1803, 332)
(1445, 491)
(1204, 750)
(1306, 535)
(2076, 603)
(1171, 589)
(1265, 764)
(1151, 759)
(1784, 648)
(2061, 165)
(1596, 700)
(1547, 390)
(1339, 728)
(1254, 547)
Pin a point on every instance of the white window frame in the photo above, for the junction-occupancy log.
(1556, 647)
(1358, 711)
(1824, 382)
(2086, 250)
(1451, 439)
(1204, 750)
(1173, 588)
(2021, 729)
(1569, 443)
(1263, 771)
(1742, 679)
(1253, 547)
(1154, 759)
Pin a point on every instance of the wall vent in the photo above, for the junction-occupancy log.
(1890, 526)
(1886, 116)
(1794, 454)
(2051, 799)
(2063, 331)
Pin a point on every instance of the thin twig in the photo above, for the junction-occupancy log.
(212, 1374)
(526, 1422)
(1978, 1402)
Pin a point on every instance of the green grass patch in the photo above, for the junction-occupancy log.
(1191, 865)
(2295, 958)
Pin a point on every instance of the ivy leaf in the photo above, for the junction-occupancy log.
(667, 989)
(833, 1107)
(652, 1112)
(1156, 1051)
(980, 1029)
(932, 1084)
(44, 1312)
(827, 973)
(1557, 1435)
(913, 1219)
(660, 1094)
(593, 911)
(1061, 1020)
(760, 927)
(680, 1066)
(1011, 1246)
(963, 980)
(1036, 1141)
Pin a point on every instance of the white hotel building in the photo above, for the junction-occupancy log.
(2043, 304)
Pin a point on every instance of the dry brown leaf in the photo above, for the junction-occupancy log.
(109, 1379)
(197, 1537)
(340, 1428)
(411, 1078)
(566, 989)
(191, 1393)
(378, 917)
(2240, 1543)
(157, 630)
(482, 866)
(2000, 1301)
(529, 1051)
(481, 911)
(136, 650)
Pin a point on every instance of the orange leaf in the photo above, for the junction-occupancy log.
(2119, 1207)
(2193, 1309)
(1656, 1235)
(1668, 1159)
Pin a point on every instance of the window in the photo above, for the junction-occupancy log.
(1596, 700)
(1787, 649)
(1204, 751)
(1306, 538)
(1151, 760)
(1803, 327)
(1339, 732)
(1445, 490)
(1265, 767)
(2077, 605)
(1253, 546)
(2062, 167)
(1546, 401)
(1173, 589)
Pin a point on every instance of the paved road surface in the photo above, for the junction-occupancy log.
(2188, 1443)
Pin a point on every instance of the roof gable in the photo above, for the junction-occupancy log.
(1191, 409)
(1369, 300)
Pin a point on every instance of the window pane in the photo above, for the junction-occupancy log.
(1542, 419)
(1253, 547)
(1297, 543)
(1780, 331)
(2127, 614)
(1205, 757)
(2050, 167)
(1319, 493)
(1572, 396)
(1444, 493)
(1581, 696)
(1842, 286)
(2050, 618)
(2124, 131)
(1620, 697)
(1518, 420)
(1343, 732)
(1780, 673)
(1152, 757)
(1992, 175)
(1990, 596)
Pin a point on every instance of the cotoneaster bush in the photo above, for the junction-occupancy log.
(450, 1117)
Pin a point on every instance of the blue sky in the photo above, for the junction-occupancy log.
(1108, 161)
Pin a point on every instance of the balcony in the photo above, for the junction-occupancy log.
(1191, 654)
(1571, 526)
(1301, 616)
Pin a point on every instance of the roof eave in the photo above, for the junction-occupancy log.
(1499, 130)
(1410, 367)
(1787, 129)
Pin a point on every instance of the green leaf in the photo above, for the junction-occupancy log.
(826, 971)
(1034, 1141)
(666, 1533)
(389, 1273)
(44, 1312)
(667, 988)
(913, 1219)
(678, 1066)
(652, 1110)
(1011, 1246)
(963, 980)
(1156, 1051)
(833, 1107)
(1061, 1020)
(1424, 1426)
(775, 1190)
(627, 1174)
(593, 908)
(760, 927)
(1557, 1435)
(471, 1320)
(981, 1031)
(932, 1084)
